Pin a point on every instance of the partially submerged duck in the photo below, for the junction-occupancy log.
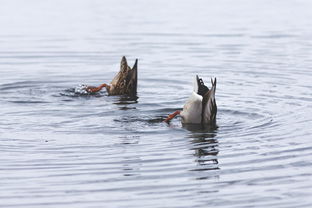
(124, 83)
(201, 107)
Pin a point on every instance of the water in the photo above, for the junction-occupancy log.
(60, 149)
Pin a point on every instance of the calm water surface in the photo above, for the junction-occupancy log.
(59, 149)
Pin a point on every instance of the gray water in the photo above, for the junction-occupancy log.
(60, 149)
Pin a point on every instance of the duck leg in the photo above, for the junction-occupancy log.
(95, 89)
(171, 116)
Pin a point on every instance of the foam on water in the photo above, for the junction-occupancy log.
(81, 89)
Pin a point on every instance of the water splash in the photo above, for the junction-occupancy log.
(81, 89)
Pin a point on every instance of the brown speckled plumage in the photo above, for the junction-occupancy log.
(125, 82)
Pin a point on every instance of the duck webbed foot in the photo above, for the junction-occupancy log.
(92, 89)
(171, 116)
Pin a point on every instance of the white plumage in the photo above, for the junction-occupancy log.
(201, 107)
(192, 109)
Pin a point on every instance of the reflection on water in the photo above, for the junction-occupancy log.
(199, 128)
(205, 147)
(131, 164)
(126, 99)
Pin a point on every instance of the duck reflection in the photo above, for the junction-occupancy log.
(126, 101)
(131, 164)
(205, 147)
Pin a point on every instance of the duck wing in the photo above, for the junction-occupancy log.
(209, 107)
(132, 79)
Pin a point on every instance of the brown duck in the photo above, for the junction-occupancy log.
(124, 83)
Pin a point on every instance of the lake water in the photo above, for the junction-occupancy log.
(59, 149)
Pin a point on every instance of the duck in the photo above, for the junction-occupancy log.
(124, 83)
(201, 107)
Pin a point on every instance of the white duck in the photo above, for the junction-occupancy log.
(201, 107)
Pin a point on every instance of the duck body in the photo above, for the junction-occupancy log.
(191, 112)
(124, 83)
(201, 107)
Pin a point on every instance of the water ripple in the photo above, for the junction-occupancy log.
(60, 147)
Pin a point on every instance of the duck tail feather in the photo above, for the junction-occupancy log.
(123, 64)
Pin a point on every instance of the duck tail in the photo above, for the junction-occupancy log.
(200, 86)
(123, 64)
